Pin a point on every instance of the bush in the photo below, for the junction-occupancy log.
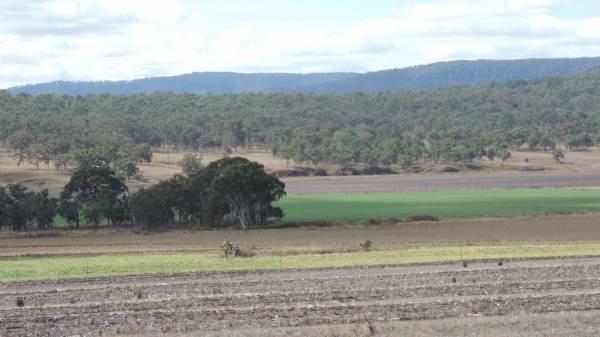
(229, 249)
(422, 217)
(448, 169)
(376, 170)
(291, 173)
(366, 246)
(347, 171)
(320, 173)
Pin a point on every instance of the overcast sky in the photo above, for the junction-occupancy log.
(48, 40)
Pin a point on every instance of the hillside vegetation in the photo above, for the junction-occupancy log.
(450, 125)
(423, 77)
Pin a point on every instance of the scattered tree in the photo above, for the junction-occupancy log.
(557, 155)
(191, 164)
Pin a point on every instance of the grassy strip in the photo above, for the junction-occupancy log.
(444, 204)
(55, 267)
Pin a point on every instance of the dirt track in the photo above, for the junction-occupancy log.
(310, 302)
(440, 182)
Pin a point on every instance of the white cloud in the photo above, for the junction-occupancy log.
(117, 39)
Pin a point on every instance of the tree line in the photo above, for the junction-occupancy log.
(456, 124)
(230, 191)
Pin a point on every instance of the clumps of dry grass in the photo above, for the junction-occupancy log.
(230, 250)
(244, 253)
(365, 330)
(366, 246)
(370, 328)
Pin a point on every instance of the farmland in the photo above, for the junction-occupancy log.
(453, 204)
(317, 281)
(442, 204)
(494, 255)
(122, 251)
(559, 294)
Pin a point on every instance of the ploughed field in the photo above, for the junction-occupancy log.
(549, 297)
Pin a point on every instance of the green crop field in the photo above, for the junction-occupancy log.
(444, 204)
(55, 267)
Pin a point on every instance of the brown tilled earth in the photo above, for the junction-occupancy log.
(531, 229)
(442, 182)
(543, 297)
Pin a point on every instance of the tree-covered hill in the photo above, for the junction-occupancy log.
(196, 83)
(455, 124)
(425, 77)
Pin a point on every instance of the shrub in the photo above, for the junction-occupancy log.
(229, 249)
(244, 253)
(422, 217)
(366, 246)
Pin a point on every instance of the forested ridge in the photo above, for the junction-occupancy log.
(422, 77)
(446, 125)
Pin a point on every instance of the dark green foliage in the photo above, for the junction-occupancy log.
(21, 208)
(45, 209)
(247, 191)
(231, 190)
(70, 209)
(149, 207)
(98, 193)
(453, 125)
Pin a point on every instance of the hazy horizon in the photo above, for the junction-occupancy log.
(52, 40)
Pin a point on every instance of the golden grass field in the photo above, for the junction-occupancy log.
(165, 165)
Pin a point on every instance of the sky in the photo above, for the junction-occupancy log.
(46, 40)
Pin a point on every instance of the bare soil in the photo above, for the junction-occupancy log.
(442, 182)
(541, 297)
(530, 229)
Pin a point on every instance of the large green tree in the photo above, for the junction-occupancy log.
(248, 191)
(97, 191)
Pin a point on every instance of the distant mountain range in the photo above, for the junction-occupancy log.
(424, 77)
